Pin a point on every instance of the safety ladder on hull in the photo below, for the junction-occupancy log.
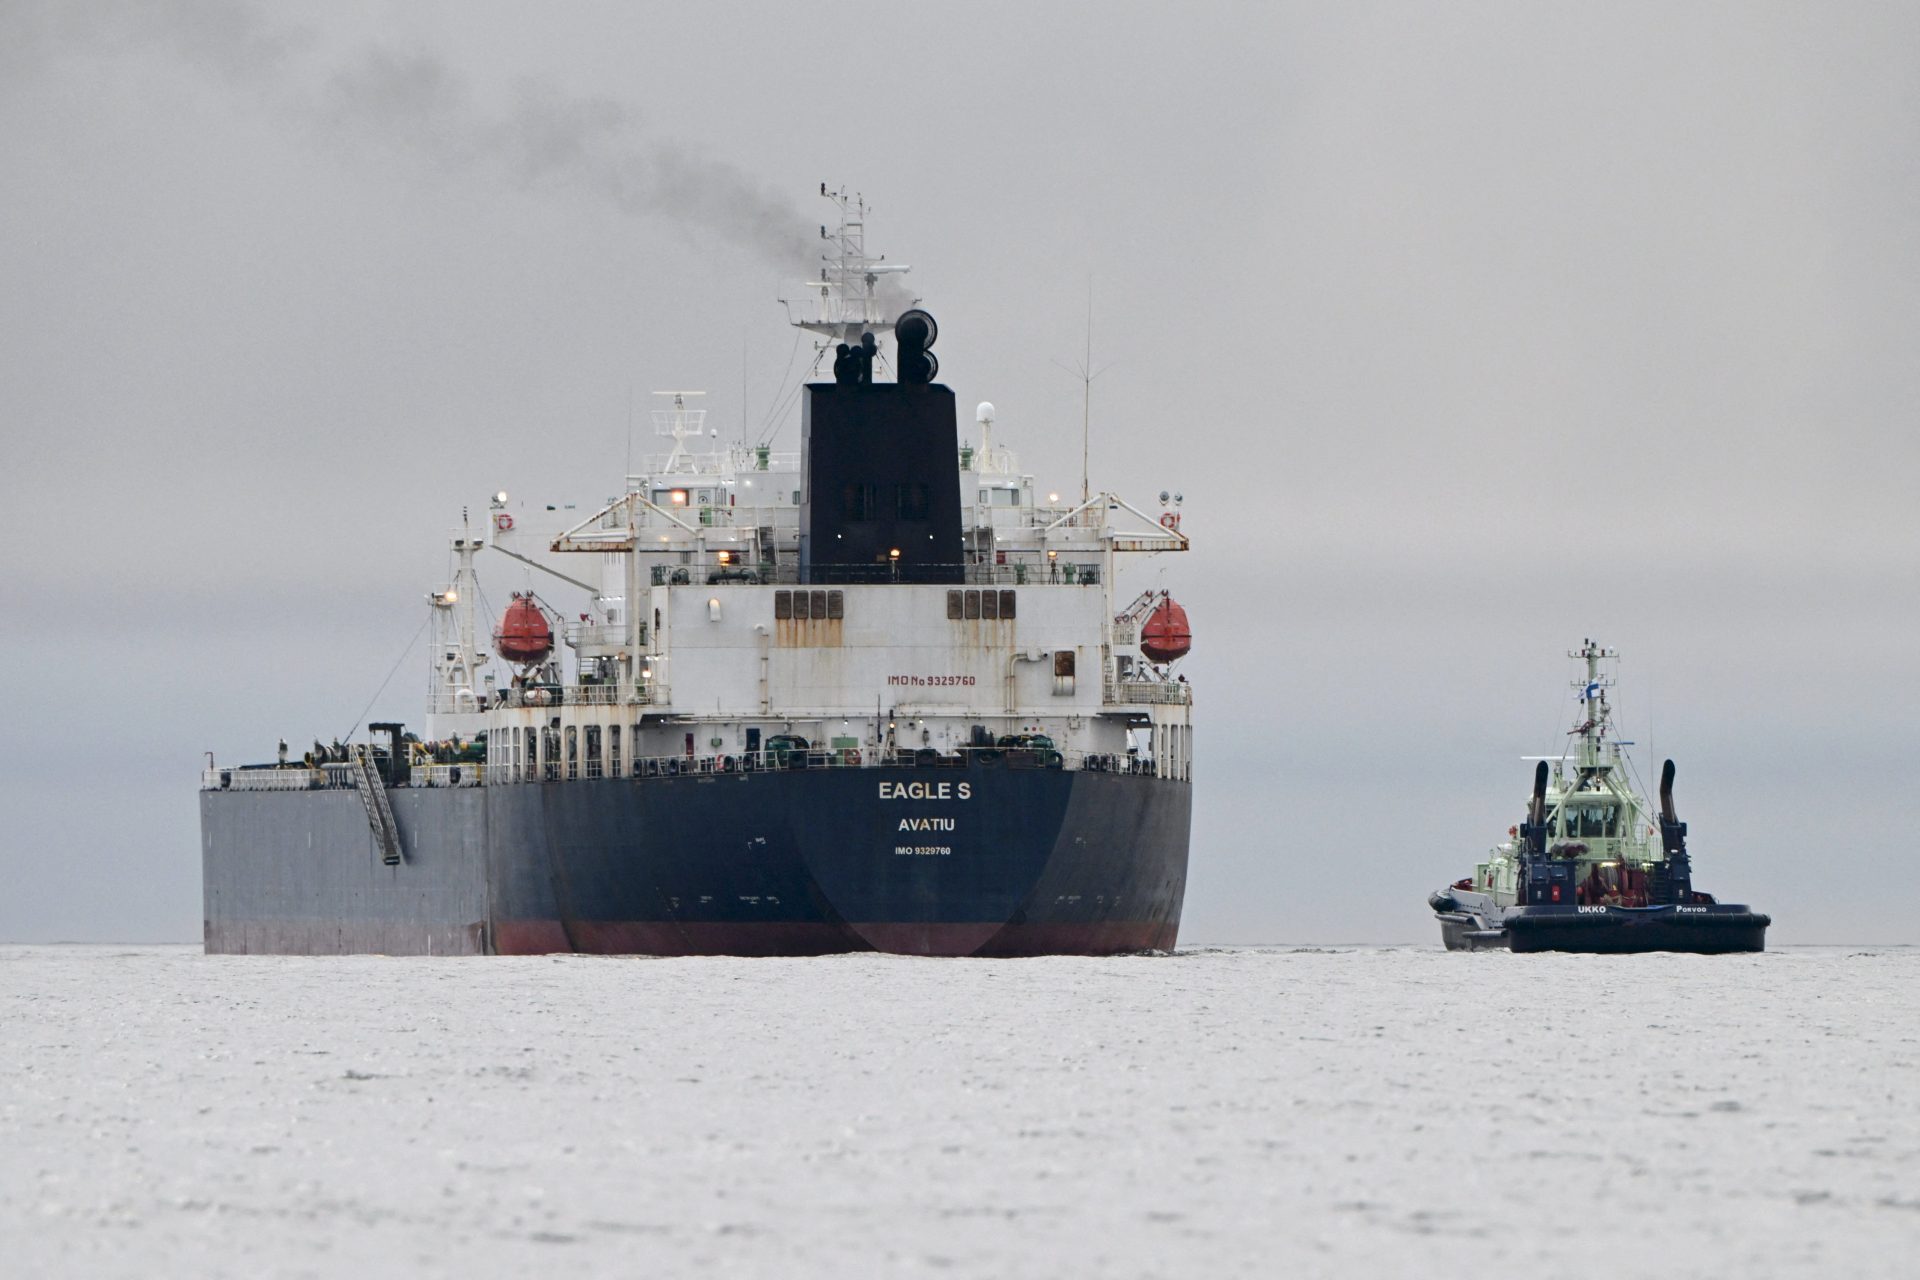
(373, 794)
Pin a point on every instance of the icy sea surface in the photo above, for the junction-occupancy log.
(1219, 1112)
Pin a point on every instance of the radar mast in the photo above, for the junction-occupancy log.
(849, 297)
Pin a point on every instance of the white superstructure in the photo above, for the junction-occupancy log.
(693, 639)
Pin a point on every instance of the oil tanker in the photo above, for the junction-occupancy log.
(883, 694)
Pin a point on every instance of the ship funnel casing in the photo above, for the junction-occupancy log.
(1167, 635)
(524, 636)
(881, 499)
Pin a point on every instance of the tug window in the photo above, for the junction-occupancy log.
(1592, 822)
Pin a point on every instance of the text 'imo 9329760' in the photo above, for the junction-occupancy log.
(879, 695)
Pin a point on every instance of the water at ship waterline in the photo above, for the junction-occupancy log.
(1235, 1111)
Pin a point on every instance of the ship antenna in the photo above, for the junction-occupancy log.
(1086, 373)
(629, 473)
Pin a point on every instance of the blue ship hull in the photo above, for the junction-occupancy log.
(985, 860)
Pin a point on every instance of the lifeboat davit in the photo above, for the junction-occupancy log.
(523, 635)
(1166, 635)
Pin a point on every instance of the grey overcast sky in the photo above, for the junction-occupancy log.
(1467, 330)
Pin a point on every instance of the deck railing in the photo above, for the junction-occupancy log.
(780, 759)
(1127, 693)
(573, 695)
(1071, 573)
(339, 777)
(335, 777)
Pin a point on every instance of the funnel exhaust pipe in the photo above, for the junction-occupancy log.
(1533, 836)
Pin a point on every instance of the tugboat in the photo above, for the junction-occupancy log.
(1582, 871)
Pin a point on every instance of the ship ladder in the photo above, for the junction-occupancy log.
(373, 794)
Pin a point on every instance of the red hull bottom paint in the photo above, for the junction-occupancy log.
(650, 938)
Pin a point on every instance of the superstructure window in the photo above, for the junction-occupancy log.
(860, 502)
(819, 604)
(836, 604)
(782, 605)
(989, 605)
(593, 751)
(613, 751)
(912, 501)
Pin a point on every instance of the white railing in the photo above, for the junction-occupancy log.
(268, 779)
(1130, 693)
(573, 695)
(599, 635)
(467, 774)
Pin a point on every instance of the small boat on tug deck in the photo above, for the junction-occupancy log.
(1582, 872)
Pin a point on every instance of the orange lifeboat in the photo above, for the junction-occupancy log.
(523, 635)
(1166, 635)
